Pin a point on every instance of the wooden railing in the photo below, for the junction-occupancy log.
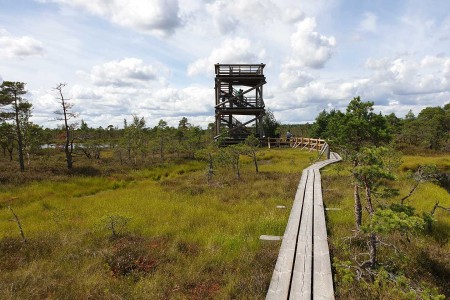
(239, 69)
(298, 142)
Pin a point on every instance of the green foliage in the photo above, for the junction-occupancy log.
(429, 221)
(252, 141)
(386, 221)
(361, 127)
(326, 123)
(424, 173)
(353, 130)
(372, 168)
(399, 208)
(344, 272)
(270, 124)
(410, 241)
(394, 123)
(429, 130)
(189, 137)
(133, 138)
(7, 138)
(18, 109)
(11, 102)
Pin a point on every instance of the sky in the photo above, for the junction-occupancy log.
(155, 58)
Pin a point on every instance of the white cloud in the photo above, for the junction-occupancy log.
(295, 78)
(189, 101)
(19, 47)
(369, 22)
(377, 64)
(232, 50)
(124, 87)
(228, 15)
(162, 103)
(158, 17)
(310, 48)
(293, 15)
(125, 72)
(404, 64)
(409, 76)
(394, 84)
(223, 20)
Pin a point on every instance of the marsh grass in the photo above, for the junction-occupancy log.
(420, 263)
(185, 237)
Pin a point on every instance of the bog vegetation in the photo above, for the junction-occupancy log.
(163, 213)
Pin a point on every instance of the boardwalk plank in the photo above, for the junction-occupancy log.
(281, 278)
(322, 276)
(302, 276)
(303, 268)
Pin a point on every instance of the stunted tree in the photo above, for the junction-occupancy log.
(194, 140)
(372, 172)
(91, 140)
(16, 108)
(133, 138)
(7, 139)
(189, 137)
(33, 139)
(368, 174)
(359, 127)
(181, 135)
(161, 132)
(183, 124)
(65, 114)
(252, 144)
(270, 124)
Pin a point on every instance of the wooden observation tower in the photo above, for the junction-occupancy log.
(239, 101)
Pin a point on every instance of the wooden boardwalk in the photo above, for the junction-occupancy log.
(303, 268)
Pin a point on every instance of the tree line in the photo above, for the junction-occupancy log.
(135, 141)
(428, 130)
(132, 144)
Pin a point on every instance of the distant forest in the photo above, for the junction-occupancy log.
(21, 139)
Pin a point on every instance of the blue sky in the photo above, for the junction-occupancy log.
(154, 58)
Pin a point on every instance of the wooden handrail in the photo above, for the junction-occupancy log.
(296, 142)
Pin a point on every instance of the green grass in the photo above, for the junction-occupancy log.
(411, 162)
(185, 238)
(189, 239)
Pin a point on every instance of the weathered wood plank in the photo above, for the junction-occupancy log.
(302, 276)
(322, 276)
(281, 278)
(303, 268)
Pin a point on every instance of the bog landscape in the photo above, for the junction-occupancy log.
(177, 212)
(212, 149)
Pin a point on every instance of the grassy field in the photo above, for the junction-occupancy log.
(411, 267)
(175, 235)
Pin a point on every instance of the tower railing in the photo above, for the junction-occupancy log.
(238, 69)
